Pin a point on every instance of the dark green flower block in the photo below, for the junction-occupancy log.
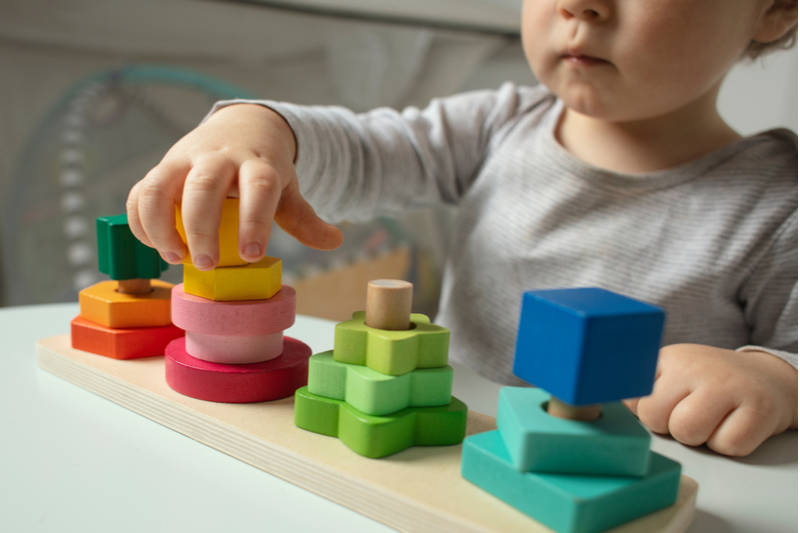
(425, 345)
(379, 436)
(121, 255)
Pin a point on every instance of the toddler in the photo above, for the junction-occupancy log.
(616, 172)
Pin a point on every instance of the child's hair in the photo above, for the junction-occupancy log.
(756, 49)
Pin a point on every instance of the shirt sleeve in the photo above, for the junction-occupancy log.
(770, 297)
(385, 162)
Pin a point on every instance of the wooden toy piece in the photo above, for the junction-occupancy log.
(588, 346)
(615, 445)
(256, 281)
(234, 349)
(237, 318)
(129, 343)
(103, 304)
(557, 408)
(134, 286)
(419, 490)
(122, 256)
(389, 304)
(374, 393)
(379, 436)
(569, 503)
(260, 382)
(228, 234)
(391, 352)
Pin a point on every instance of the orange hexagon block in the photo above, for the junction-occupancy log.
(130, 343)
(102, 304)
(256, 281)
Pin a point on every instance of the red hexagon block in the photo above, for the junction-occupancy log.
(122, 343)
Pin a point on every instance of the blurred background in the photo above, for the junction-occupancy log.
(94, 92)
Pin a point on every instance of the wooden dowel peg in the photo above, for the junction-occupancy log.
(134, 286)
(557, 408)
(389, 304)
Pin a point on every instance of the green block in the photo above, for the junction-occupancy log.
(121, 255)
(379, 436)
(425, 345)
(569, 503)
(374, 393)
(616, 444)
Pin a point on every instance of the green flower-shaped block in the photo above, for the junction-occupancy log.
(379, 436)
(375, 393)
(425, 345)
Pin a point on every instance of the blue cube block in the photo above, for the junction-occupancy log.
(569, 503)
(587, 346)
(616, 444)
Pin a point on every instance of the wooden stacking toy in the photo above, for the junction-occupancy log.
(386, 384)
(234, 316)
(579, 461)
(129, 316)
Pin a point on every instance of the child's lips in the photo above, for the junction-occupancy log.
(582, 60)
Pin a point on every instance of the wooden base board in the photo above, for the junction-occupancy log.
(417, 490)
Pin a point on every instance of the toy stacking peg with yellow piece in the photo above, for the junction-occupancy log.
(234, 316)
(386, 385)
(128, 317)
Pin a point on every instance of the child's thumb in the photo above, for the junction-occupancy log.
(297, 218)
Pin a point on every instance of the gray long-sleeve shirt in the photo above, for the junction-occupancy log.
(712, 241)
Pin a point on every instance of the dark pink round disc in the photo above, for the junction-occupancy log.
(258, 382)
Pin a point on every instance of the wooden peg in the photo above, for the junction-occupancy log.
(389, 304)
(134, 286)
(557, 408)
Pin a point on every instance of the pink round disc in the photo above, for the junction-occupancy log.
(240, 317)
(234, 350)
(259, 382)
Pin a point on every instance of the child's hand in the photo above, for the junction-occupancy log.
(730, 400)
(241, 150)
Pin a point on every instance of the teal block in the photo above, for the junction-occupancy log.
(374, 393)
(616, 444)
(121, 255)
(425, 345)
(379, 436)
(569, 503)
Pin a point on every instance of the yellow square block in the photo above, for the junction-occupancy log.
(228, 234)
(256, 281)
(102, 304)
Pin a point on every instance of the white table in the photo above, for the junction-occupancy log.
(72, 461)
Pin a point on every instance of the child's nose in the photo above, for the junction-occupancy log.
(586, 10)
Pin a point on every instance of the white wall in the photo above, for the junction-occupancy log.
(762, 95)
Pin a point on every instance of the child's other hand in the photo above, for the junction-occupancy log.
(730, 400)
(241, 150)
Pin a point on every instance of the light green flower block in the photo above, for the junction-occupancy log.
(374, 393)
(425, 345)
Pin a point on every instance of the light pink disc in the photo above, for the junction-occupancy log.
(240, 317)
(234, 350)
(259, 382)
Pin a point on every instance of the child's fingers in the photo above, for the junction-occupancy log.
(259, 191)
(633, 405)
(654, 410)
(132, 208)
(151, 209)
(741, 432)
(205, 189)
(298, 219)
(697, 416)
